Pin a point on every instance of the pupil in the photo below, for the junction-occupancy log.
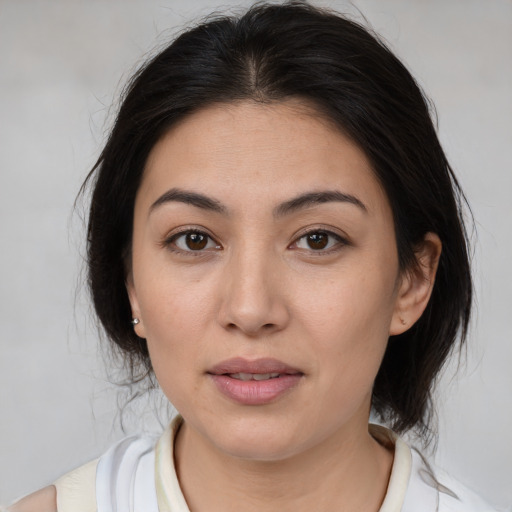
(318, 240)
(196, 241)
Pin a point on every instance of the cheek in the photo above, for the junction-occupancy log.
(177, 308)
(348, 319)
(173, 321)
(356, 304)
(173, 339)
(171, 299)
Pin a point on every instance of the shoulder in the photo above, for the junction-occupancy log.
(76, 490)
(127, 466)
(44, 500)
(73, 492)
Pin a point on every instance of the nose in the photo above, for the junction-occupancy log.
(253, 295)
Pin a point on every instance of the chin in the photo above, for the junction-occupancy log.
(264, 440)
(260, 450)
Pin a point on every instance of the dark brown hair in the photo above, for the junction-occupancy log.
(271, 53)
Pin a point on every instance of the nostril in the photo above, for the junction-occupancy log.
(265, 328)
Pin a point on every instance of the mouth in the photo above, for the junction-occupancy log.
(254, 376)
(257, 369)
(257, 382)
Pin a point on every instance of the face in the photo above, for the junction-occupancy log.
(265, 275)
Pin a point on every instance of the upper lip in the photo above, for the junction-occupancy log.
(241, 365)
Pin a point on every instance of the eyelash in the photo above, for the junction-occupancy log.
(170, 242)
(339, 241)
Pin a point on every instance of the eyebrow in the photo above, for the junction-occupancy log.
(191, 198)
(300, 202)
(313, 198)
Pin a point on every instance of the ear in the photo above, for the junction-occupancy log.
(139, 328)
(416, 285)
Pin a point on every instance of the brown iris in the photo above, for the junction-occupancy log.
(196, 241)
(318, 240)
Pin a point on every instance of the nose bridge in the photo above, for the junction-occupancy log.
(252, 300)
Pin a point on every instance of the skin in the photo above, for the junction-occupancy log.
(44, 500)
(258, 289)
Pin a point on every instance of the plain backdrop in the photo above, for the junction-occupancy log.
(62, 63)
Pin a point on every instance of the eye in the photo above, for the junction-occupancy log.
(192, 241)
(319, 240)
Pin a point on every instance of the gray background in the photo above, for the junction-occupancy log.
(61, 65)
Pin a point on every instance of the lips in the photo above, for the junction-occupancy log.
(256, 382)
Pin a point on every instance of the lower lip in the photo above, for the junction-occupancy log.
(255, 392)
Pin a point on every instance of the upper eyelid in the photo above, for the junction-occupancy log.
(175, 233)
(330, 233)
(341, 241)
(340, 236)
(324, 229)
(169, 240)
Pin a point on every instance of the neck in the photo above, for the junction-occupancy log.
(347, 472)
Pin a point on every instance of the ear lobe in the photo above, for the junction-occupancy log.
(138, 327)
(416, 285)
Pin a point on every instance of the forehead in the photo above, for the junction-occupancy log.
(272, 151)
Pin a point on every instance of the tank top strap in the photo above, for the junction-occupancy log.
(125, 477)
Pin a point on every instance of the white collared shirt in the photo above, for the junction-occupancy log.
(138, 475)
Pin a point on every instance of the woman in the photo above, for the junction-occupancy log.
(276, 234)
